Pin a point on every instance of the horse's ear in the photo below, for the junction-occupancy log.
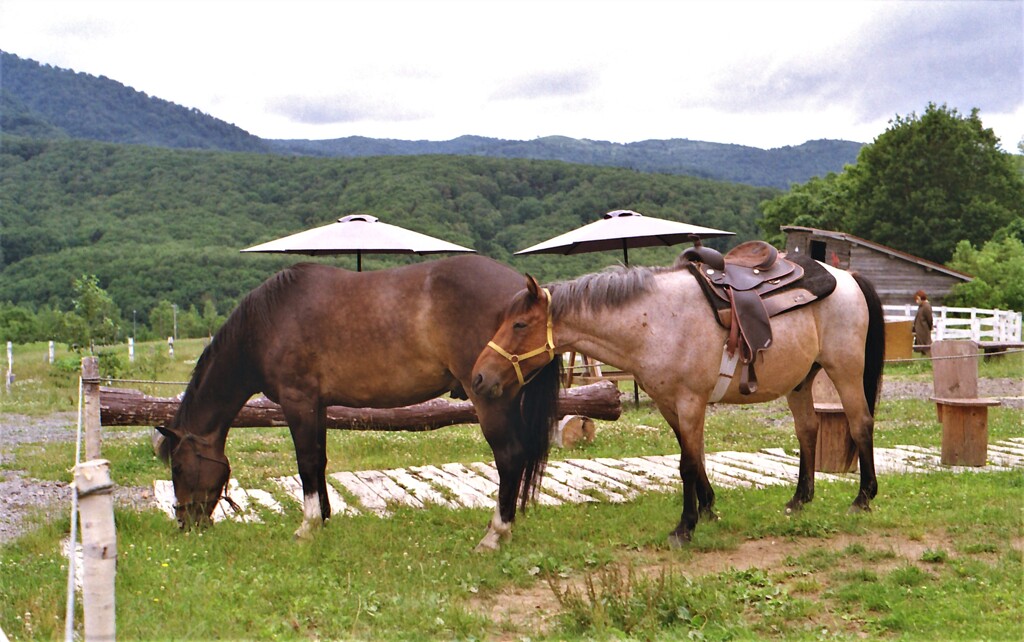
(160, 439)
(532, 286)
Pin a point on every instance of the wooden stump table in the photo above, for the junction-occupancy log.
(836, 451)
(964, 430)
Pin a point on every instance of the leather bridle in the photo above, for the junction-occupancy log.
(516, 359)
(193, 439)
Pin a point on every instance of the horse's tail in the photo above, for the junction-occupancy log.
(874, 344)
(539, 407)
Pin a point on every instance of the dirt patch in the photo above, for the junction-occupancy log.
(531, 611)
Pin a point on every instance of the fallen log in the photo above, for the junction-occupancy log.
(127, 407)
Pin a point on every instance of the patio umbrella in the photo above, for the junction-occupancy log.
(623, 229)
(355, 234)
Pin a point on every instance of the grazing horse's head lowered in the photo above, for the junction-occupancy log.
(200, 473)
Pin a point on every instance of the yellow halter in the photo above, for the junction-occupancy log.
(515, 359)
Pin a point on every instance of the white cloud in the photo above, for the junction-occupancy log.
(757, 73)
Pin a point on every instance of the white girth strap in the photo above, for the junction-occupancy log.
(726, 371)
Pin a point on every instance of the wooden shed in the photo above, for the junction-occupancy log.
(896, 275)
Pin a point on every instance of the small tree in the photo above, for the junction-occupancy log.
(161, 319)
(17, 324)
(211, 321)
(820, 203)
(96, 312)
(998, 270)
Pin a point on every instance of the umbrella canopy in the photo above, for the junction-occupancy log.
(623, 229)
(356, 234)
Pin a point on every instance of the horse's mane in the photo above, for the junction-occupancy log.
(251, 316)
(612, 287)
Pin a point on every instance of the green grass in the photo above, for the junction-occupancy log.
(414, 577)
(939, 557)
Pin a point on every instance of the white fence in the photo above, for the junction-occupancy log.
(983, 326)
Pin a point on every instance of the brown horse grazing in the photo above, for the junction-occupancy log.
(314, 336)
(657, 324)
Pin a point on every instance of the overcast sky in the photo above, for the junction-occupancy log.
(765, 74)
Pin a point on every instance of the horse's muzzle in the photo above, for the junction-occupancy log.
(195, 516)
(487, 387)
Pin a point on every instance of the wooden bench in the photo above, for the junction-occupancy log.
(998, 348)
(836, 451)
(592, 371)
(963, 415)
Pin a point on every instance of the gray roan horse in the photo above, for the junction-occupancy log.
(657, 324)
(314, 336)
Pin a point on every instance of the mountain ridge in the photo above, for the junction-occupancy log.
(38, 100)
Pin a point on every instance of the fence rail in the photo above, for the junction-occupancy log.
(983, 326)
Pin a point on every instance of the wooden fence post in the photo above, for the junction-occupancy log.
(9, 379)
(99, 547)
(91, 397)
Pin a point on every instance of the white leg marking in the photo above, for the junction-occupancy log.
(310, 516)
(497, 531)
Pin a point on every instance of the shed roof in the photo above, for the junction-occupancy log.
(878, 247)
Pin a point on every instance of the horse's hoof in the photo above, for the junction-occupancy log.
(305, 532)
(488, 544)
(678, 540)
(709, 516)
(859, 508)
(794, 507)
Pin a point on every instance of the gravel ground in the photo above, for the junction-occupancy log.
(21, 496)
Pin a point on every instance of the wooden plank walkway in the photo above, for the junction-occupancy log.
(572, 481)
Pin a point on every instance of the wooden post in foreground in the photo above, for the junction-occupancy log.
(91, 398)
(99, 547)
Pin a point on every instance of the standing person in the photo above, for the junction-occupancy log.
(922, 322)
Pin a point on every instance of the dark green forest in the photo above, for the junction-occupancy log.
(45, 101)
(167, 225)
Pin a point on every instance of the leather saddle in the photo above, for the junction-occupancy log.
(748, 286)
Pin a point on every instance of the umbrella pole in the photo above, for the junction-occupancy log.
(359, 261)
(636, 388)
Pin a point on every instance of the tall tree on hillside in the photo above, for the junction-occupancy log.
(929, 182)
